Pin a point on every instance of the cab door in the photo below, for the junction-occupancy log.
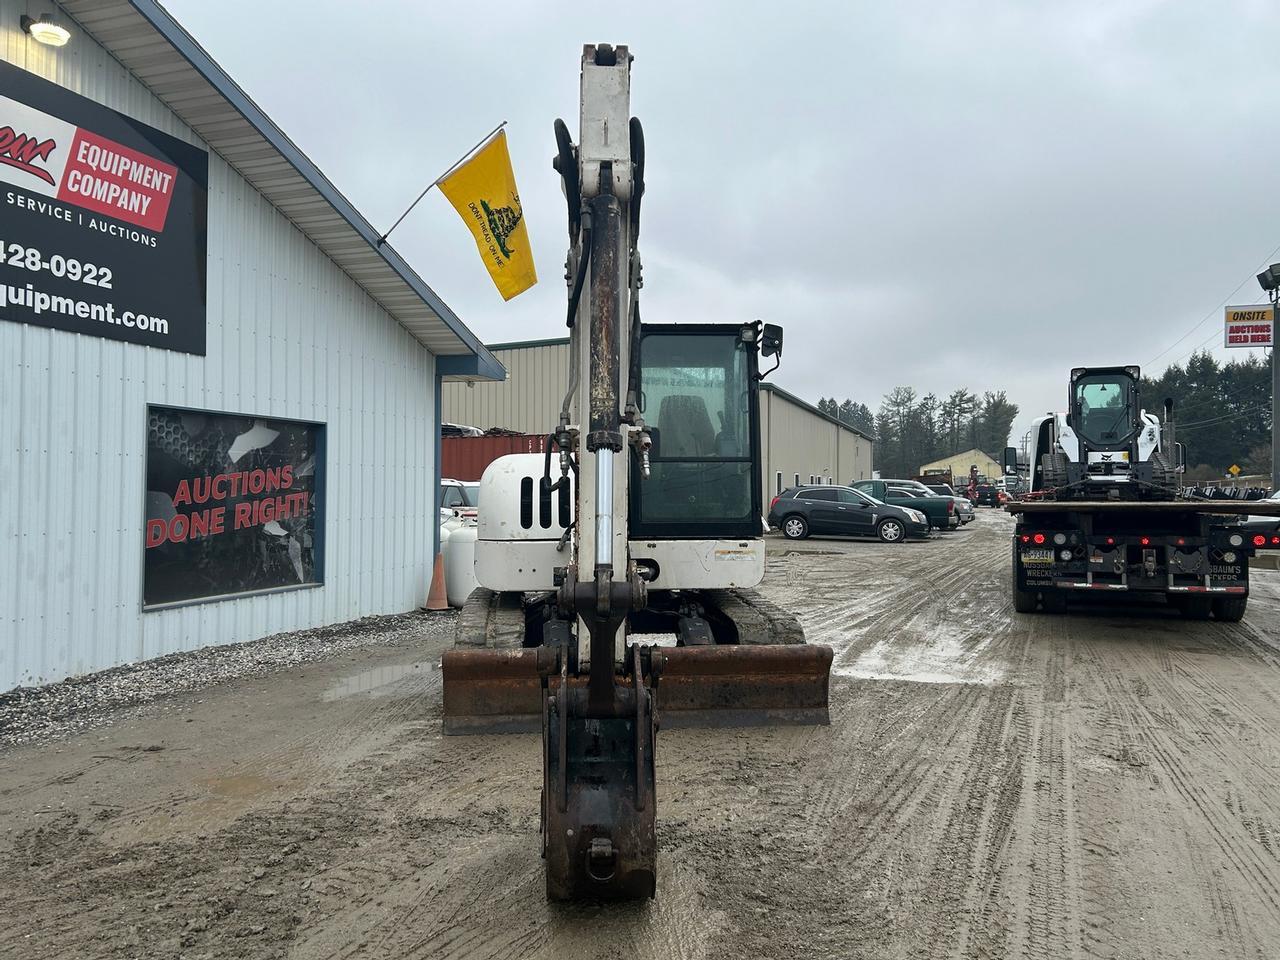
(858, 512)
(824, 514)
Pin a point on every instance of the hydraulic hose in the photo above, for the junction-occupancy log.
(575, 297)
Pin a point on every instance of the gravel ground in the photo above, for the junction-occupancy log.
(58, 710)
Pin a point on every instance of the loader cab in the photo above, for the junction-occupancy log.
(1104, 406)
(698, 396)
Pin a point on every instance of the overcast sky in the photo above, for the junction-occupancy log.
(938, 195)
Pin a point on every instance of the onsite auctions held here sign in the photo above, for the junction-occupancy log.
(102, 220)
(1250, 326)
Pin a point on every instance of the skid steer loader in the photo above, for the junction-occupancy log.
(1105, 444)
(641, 522)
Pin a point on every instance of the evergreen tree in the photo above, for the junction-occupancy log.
(1222, 411)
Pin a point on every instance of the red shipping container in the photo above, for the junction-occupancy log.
(464, 458)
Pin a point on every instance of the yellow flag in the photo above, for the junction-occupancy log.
(483, 191)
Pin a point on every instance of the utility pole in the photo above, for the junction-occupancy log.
(1274, 295)
(1269, 280)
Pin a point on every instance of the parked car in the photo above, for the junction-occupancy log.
(844, 512)
(986, 495)
(459, 498)
(1274, 522)
(941, 511)
(459, 430)
(964, 509)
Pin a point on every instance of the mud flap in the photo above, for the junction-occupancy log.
(500, 691)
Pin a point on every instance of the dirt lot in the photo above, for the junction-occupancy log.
(1102, 784)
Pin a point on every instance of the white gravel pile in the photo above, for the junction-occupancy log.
(58, 710)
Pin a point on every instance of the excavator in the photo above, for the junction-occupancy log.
(617, 568)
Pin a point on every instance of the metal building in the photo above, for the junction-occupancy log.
(798, 443)
(961, 463)
(220, 395)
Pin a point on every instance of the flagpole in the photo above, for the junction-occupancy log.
(461, 160)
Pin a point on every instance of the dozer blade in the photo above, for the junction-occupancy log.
(500, 691)
(491, 691)
(744, 686)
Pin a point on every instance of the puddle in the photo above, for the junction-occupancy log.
(944, 659)
(239, 786)
(382, 681)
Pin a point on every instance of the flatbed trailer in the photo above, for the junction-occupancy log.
(1194, 553)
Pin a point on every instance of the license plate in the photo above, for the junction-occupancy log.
(1037, 556)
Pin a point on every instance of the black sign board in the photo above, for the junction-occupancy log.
(234, 504)
(102, 219)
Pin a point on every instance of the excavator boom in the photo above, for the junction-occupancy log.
(650, 528)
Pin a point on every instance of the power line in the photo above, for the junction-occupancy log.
(1197, 348)
(1223, 419)
(1211, 313)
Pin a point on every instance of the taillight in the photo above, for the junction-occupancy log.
(1038, 539)
(1026, 538)
(951, 506)
(773, 503)
(1275, 541)
(1259, 541)
(1145, 541)
(1111, 541)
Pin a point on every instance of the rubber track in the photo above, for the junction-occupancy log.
(489, 619)
(758, 620)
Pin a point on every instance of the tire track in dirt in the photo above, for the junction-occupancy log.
(1166, 713)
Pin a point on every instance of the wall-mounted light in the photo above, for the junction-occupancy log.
(46, 30)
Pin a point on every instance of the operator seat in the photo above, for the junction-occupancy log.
(683, 491)
(685, 427)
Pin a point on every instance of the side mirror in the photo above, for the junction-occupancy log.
(771, 340)
(1010, 460)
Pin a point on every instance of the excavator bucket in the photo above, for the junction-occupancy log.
(500, 691)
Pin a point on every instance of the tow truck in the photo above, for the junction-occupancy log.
(1104, 514)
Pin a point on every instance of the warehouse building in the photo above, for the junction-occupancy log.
(798, 442)
(220, 393)
(961, 463)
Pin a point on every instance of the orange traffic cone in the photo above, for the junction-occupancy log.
(437, 599)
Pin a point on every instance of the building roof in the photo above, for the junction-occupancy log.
(173, 66)
(792, 398)
(973, 456)
(526, 344)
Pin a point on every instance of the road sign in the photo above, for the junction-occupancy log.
(1250, 326)
(1234, 470)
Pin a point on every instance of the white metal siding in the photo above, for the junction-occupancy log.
(528, 401)
(290, 335)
